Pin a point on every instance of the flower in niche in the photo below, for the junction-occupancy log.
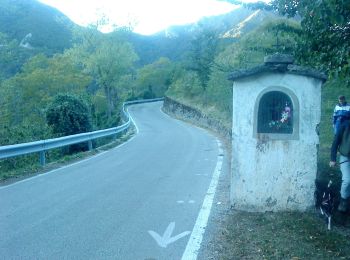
(286, 114)
(285, 117)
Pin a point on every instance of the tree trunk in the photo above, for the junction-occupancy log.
(109, 101)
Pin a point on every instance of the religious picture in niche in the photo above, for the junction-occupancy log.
(275, 113)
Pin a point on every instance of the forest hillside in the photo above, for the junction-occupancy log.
(46, 59)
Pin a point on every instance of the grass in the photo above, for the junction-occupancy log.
(330, 92)
(284, 235)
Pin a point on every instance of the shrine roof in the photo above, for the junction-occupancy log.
(278, 63)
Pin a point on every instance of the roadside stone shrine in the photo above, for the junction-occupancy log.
(276, 113)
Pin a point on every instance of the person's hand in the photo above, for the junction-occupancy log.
(332, 164)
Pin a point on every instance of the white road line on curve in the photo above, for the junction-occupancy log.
(194, 243)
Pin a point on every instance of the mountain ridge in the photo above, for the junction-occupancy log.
(50, 29)
(42, 28)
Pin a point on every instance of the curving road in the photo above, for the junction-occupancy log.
(141, 200)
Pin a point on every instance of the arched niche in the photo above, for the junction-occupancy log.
(276, 114)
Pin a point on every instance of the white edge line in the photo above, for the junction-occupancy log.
(132, 120)
(67, 166)
(194, 242)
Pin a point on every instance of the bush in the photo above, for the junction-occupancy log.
(68, 115)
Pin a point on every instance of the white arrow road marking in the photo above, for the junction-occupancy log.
(166, 239)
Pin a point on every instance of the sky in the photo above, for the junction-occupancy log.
(146, 16)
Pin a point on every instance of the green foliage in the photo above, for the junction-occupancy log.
(12, 57)
(327, 32)
(175, 42)
(330, 92)
(108, 59)
(68, 115)
(277, 35)
(187, 85)
(154, 79)
(248, 52)
(271, 37)
(325, 41)
(29, 28)
(26, 132)
(219, 93)
(26, 95)
(172, 44)
(189, 63)
(50, 29)
(201, 56)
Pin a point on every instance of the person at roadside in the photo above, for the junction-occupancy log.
(341, 143)
(341, 113)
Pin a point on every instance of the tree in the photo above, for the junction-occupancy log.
(202, 54)
(186, 84)
(246, 53)
(326, 25)
(26, 95)
(68, 115)
(108, 59)
(154, 79)
(273, 36)
(12, 56)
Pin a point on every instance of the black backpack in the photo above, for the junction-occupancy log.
(344, 147)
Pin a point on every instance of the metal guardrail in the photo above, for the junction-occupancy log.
(42, 146)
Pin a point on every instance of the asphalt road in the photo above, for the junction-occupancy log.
(140, 200)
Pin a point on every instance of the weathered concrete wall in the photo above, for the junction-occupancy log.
(187, 113)
(272, 175)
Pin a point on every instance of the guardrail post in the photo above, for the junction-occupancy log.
(90, 145)
(42, 158)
